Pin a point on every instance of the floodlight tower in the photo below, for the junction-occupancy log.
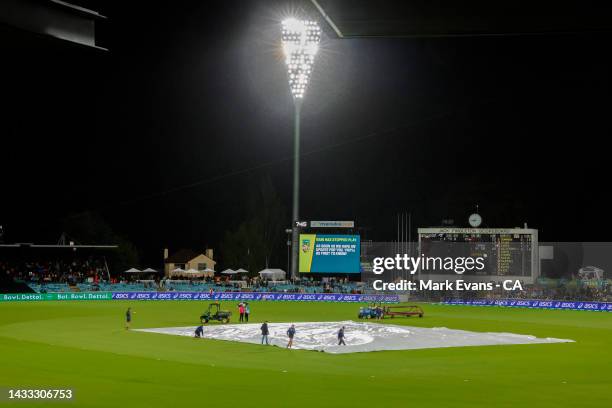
(300, 39)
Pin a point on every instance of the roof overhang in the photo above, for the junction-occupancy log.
(52, 18)
(30, 245)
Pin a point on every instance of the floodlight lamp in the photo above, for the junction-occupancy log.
(300, 40)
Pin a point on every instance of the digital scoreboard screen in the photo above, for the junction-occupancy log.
(504, 254)
(329, 253)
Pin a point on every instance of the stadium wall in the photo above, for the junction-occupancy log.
(537, 304)
(227, 296)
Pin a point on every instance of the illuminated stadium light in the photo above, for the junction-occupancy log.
(300, 39)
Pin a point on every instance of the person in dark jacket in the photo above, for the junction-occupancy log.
(247, 312)
(341, 337)
(264, 333)
(128, 318)
(199, 331)
(291, 334)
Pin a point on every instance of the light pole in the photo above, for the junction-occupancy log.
(300, 39)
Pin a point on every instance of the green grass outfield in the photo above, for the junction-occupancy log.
(83, 345)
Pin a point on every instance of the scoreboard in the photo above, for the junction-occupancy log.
(508, 252)
(329, 253)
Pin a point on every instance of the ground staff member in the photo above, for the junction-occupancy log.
(264, 333)
(128, 318)
(290, 334)
(341, 337)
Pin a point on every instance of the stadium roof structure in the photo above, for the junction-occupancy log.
(57, 246)
(450, 18)
(63, 21)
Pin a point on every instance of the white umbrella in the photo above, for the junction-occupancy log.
(133, 270)
(178, 270)
(229, 272)
(191, 270)
(150, 270)
(242, 271)
(208, 272)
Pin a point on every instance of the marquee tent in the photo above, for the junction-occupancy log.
(272, 274)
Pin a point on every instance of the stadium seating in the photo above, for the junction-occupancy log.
(50, 287)
(192, 286)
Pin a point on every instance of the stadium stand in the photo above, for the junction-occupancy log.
(88, 274)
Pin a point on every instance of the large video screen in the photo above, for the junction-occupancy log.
(327, 253)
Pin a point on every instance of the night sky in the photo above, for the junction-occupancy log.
(164, 134)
